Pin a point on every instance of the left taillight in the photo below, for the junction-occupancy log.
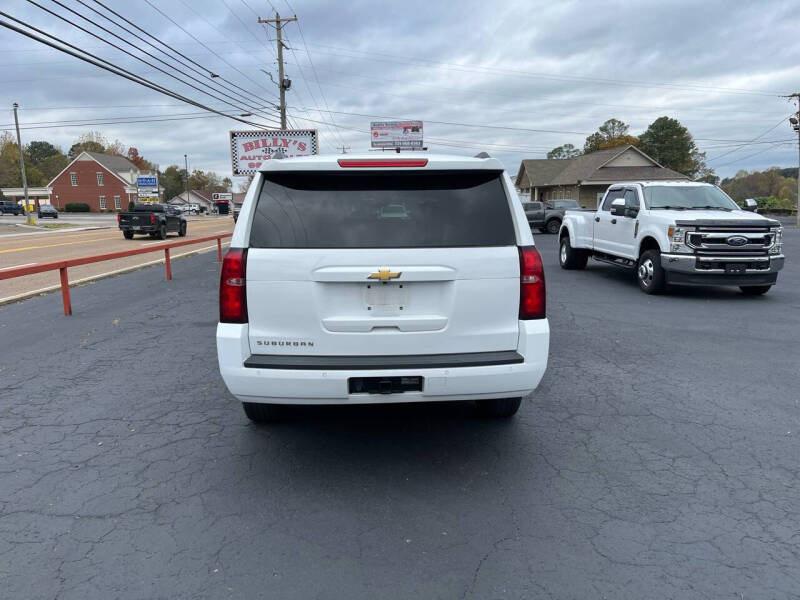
(152, 219)
(118, 218)
(532, 290)
(233, 287)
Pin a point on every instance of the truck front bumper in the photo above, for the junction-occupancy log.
(690, 269)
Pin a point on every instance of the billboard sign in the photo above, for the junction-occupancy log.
(221, 196)
(146, 182)
(396, 134)
(251, 149)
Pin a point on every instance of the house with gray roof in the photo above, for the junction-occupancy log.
(585, 178)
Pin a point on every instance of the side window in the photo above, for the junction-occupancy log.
(631, 199)
(549, 206)
(610, 197)
(536, 206)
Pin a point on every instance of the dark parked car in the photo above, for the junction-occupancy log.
(9, 207)
(547, 216)
(154, 219)
(47, 210)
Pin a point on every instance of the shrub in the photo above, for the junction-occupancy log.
(77, 207)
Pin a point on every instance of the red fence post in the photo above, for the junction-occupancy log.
(169, 265)
(65, 291)
(219, 249)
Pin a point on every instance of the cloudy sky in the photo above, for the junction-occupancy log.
(514, 78)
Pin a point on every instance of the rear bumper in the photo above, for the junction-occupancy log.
(684, 269)
(330, 385)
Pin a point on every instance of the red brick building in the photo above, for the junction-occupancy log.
(102, 181)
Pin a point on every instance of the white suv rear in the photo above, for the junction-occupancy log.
(369, 280)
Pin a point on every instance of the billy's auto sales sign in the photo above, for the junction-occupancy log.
(251, 149)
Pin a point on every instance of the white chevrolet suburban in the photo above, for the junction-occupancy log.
(680, 232)
(368, 280)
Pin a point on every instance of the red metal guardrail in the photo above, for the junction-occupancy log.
(63, 265)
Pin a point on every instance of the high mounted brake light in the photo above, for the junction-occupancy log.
(532, 290)
(233, 287)
(382, 162)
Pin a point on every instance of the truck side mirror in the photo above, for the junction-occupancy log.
(750, 205)
(631, 211)
(618, 207)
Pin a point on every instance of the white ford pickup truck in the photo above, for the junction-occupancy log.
(683, 233)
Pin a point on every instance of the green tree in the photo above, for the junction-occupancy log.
(89, 146)
(672, 146)
(40, 150)
(610, 134)
(10, 175)
(173, 181)
(562, 152)
(52, 166)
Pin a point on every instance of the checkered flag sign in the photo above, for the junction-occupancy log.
(251, 149)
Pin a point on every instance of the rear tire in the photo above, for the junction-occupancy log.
(650, 274)
(263, 413)
(182, 230)
(754, 290)
(128, 235)
(570, 258)
(553, 225)
(498, 407)
(162, 232)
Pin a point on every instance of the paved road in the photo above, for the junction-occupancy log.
(659, 458)
(30, 248)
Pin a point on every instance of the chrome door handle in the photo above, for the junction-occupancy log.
(597, 219)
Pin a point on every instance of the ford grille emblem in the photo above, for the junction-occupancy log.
(737, 240)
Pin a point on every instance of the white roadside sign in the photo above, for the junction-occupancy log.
(251, 149)
(396, 134)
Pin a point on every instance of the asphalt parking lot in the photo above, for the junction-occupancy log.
(658, 459)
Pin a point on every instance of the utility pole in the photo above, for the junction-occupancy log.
(28, 217)
(186, 163)
(344, 149)
(795, 121)
(283, 83)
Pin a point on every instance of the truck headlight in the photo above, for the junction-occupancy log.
(777, 240)
(677, 240)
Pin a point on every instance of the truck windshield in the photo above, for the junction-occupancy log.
(687, 197)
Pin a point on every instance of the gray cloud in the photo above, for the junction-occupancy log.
(561, 66)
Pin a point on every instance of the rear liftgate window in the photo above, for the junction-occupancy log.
(409, 209)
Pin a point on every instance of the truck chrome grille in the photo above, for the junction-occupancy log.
(710, 240)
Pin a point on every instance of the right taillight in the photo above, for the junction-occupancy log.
(233, 288)
(532, 292)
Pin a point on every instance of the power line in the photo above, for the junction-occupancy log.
(314, 70)
(748, 141)
(166, 16)
(518, 73)
(92, 59)
(66, 20)
(208, 73)
(741, 158)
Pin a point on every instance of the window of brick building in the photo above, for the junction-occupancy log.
(102, 202)
(73, 177)
(99, 178)
(117, 203)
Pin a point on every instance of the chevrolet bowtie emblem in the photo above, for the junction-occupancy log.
(384, 275)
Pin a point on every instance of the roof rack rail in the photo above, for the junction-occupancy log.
(482, 155)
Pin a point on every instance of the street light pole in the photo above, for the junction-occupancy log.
(28, 217)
